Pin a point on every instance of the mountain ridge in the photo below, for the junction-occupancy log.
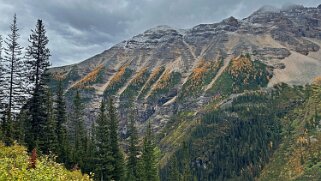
(278, 39)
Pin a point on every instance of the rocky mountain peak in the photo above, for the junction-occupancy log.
(159, 29)
(264, 15)
(231, 21)
(152, 37)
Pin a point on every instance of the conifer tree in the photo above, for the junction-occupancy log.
(186, 172)
(7, 127)
(15, 72)
(49, 138)
(140, 170)
(104, 158)
(61, 119)
(79, 133)
(91, 150)
(132, 162)
(149, 156)
(37, 55)
(21, 125)
(173, 169)
(2, 89)
(2, 82)
(118, 162)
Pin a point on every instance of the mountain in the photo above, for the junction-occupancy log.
(179, 79)
(167, 70)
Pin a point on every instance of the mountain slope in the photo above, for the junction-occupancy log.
(261, 135)
(286, 40)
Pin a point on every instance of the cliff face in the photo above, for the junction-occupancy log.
(166, 71)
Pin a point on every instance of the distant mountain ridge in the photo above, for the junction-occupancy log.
(166, 71)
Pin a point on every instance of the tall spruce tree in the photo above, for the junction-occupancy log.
(15, 71)
(104, 157)
(14, 77)
(37, 55)
(2, 89)
(149, 156)
(79, 133)
(21, 125)
(50, 143)
(2, 81)
(186, 171)
(173, 169)
(118, 162)
(91, 150)
(132, 162)
(61, 120)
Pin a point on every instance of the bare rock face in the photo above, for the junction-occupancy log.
(161, 65)
(274, 53)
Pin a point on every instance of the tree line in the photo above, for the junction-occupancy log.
(35, 116)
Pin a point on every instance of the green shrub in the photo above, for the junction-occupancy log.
(14, 166)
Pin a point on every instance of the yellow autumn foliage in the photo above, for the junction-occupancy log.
(91, 77)
(317, 80)
(139, 75)
(200, 69)
(118, 75)
(155, 72)
(152, 78)
(15, 166)
(164, 80)
(241, 64)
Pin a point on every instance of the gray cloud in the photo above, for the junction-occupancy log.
(79, 29)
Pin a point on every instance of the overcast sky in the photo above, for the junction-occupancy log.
(79, 29)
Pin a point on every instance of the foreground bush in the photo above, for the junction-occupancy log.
(14, 165)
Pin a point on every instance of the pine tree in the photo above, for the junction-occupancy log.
(140, 169)
(37, 55)
(132, 162)
(2, 83)
(2, 90)
(79, 133)
(173, 169)
(21, 125)
(61, 119)
(149, 156)
(37, 63)
(15, 72)
(104, 158)
(49, 140)
(186, 172)
(118, 162)
(7, 127)
(91, 150)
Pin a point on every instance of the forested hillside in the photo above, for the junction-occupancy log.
(264, 135)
